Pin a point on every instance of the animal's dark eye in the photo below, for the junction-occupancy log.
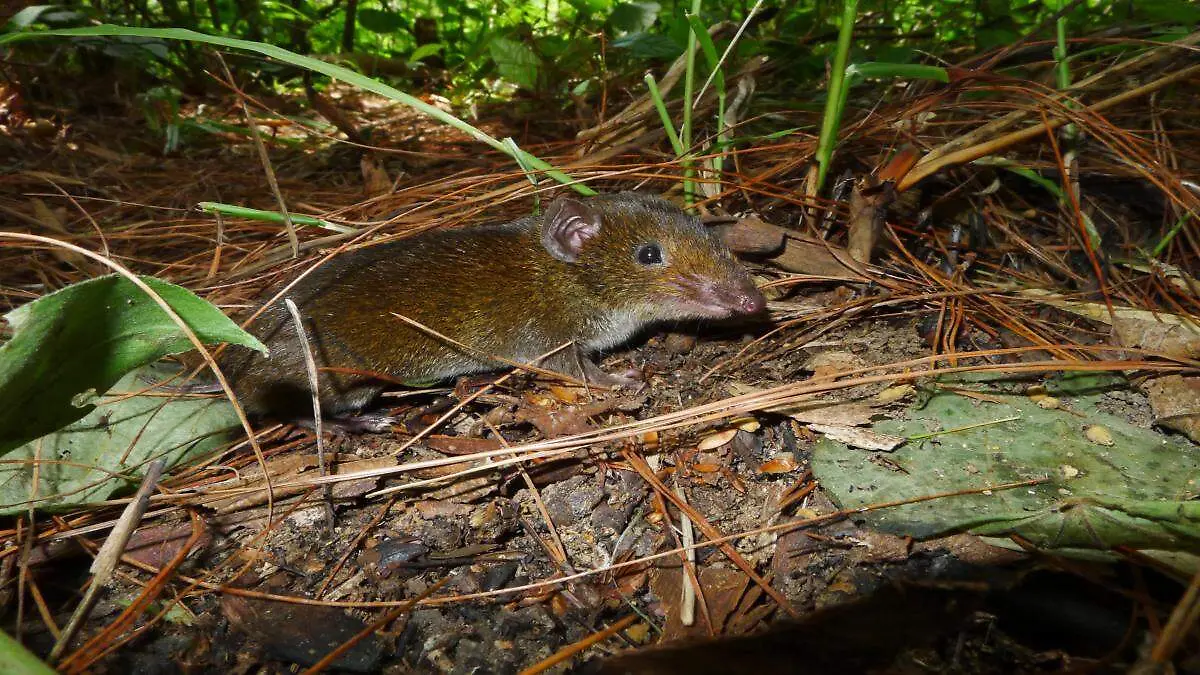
(649, 254)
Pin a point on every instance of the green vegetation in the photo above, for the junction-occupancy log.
(563, 48)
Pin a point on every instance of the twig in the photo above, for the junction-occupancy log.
(647, 474)
(580, 646)
(252, 125)
(109, 555)
(1183, 620)
(690, 583)
(310, 366)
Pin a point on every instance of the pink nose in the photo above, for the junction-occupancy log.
(751, 301)
(744, 298)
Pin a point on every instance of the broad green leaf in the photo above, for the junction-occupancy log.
(107, 450)
(634, 17)
(30, 15)
(516, 61)
(648, 46)
(135, 48)
(1137, 492)
(77, 342)
(16, 660)
(425, 51)
(380, 21)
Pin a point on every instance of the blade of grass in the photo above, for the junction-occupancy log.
(718, 79)
(309, 63)
(685, 134)
(833, 103)
(270, 216)
(661, 106)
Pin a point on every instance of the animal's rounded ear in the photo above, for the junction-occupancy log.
(567, 225)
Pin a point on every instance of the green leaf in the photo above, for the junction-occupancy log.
(516, 62)
(1135, 492)
(16, 660)
(1167, 11)
(107, 450)
(74, 343)
(634, 17)
(30, 15)
(425, 51)
(648, 46)
(381, 21)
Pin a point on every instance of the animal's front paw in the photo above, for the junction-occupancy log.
(627, 378)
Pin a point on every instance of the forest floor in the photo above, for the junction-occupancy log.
(476, 553)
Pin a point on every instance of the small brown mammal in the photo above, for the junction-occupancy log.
(592, 271)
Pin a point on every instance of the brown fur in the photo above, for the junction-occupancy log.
(493, 288)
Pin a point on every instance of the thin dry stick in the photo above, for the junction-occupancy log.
(44, 610)
(560, 551)
(647, 474)
(27, 547)
(689, 588)
(1183, 620)
(215, 266)
(310, 366)
(109, 555)
(23, 569)
(685, 556)
(725, 54)
(580, 646)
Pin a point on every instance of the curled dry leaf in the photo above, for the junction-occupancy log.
(716, 440)
(564, 394)
(893, 394)
(860, 438)
(1175, 400)
(747, 424)
(782, 464)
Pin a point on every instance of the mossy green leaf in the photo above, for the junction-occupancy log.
(107, 450)
(1139, 491)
